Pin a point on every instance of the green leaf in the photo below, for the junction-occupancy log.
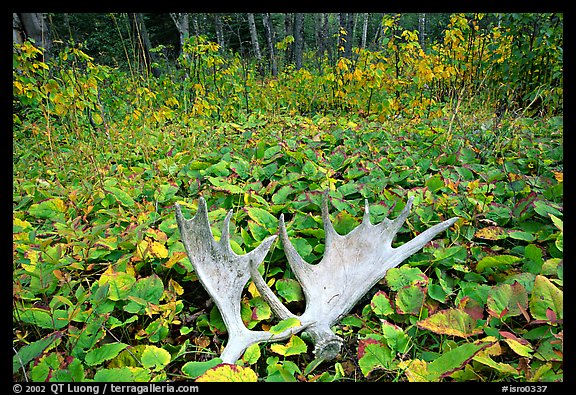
(399, 277)
(434, 183)
(124, 198)
(496, 261)
(146, 290)
(455, 359)
(409, 299)
(285, 324)
(294, 346)
(252, 354)
(520, 235)
(380, 304)
(166, 193)
(120, 284)
(56, 319)
(289, 289)
(546, 296)
(104, 353)
(194, 369)
(506, 300)
(49, 209)
(123, 374)
(372, 355)
(263, 218)
(32, 350)
(155, 357)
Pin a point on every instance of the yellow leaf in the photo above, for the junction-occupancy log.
(416, 370)
(559, 176)
(176, 257)
(158, 250)
(491, 233)
(176, 287)
(226, 372)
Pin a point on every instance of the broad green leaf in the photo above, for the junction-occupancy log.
(155, 357)
(496, 261)
(226, 372)
(545, 295)
(372, 354)
(520, 235)
(124, 198)
(252, 354)
(263, 218)
(434, 183)
(455, 359)
(289, 289)
(380, 304)
(194, 369)
(452, 322)
(32, 350)
(409, 299)
(294, 346)
(49, 209)
(285, 324)
(120, 283)
(104, 353)
(166, 193)
(131, 356)
(399, 277)
(57, 319)
(124, 374)
(506, 300)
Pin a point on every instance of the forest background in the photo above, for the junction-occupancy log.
(116, 117)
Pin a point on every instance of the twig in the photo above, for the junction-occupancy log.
(21, 364)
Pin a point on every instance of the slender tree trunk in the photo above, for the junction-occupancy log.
(289, 31)
(143, 43)
(345, 34)
(219, 32)
(181, 21)
(34, 26)
(298, 39)
(270, 39)
(422, 29)
(254, 38)
(364, 30)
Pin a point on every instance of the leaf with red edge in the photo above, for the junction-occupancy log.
(452, 322)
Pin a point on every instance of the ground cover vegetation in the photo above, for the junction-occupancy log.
(470, 126)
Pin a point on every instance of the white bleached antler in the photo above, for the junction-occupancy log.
(224, 275)
(352, 264)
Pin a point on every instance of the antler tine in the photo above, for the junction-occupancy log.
(224, 275)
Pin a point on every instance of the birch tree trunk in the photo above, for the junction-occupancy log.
(34, 26)
(142, 43)
(298, 39)
(181, 21)
(219, 32)
(422, 30)
(254, 38)
(270, 39)
(364, 30)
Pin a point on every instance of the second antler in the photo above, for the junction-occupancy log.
(352, 264)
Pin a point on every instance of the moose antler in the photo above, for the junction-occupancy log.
(224, 275)
(351, 265)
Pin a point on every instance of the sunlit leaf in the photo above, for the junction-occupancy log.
(226, 372)
(452, 322)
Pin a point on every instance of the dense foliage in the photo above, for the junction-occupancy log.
(472, 127)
